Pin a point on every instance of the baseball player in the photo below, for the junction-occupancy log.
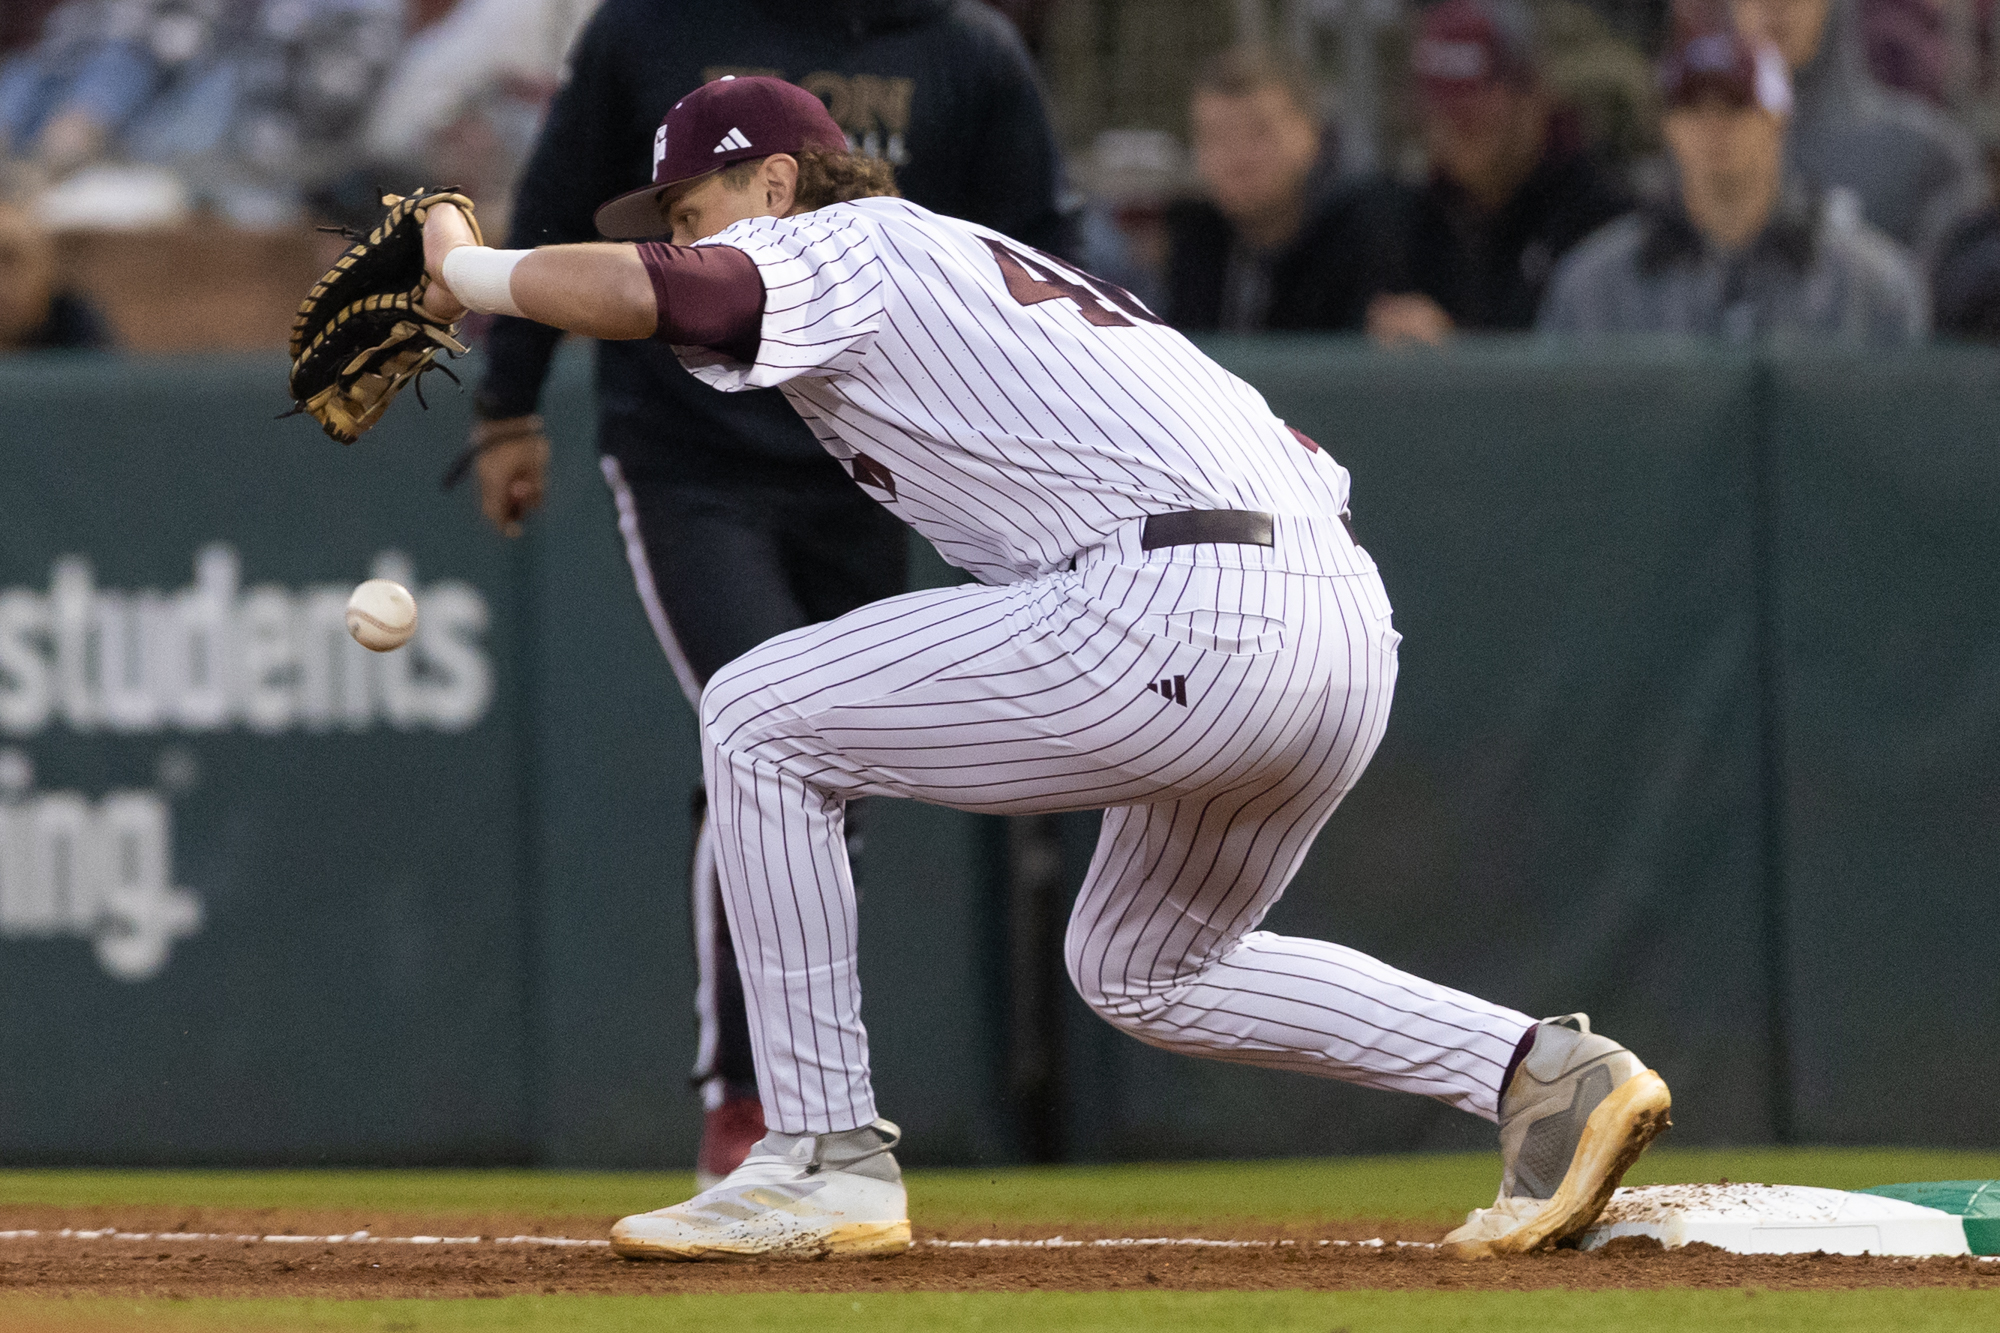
(737, 525)
(1172, 623)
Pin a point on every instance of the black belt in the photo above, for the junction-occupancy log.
(1194, 527)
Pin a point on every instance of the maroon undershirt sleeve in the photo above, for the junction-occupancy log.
(709, 296)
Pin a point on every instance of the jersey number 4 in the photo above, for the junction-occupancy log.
(1033, 277)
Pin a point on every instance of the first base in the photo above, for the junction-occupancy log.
(1776, 1219)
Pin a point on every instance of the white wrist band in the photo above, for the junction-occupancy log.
(482, 278)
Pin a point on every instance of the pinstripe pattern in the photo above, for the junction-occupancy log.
(1217, 700)
(1016, 435)
(1031, 698)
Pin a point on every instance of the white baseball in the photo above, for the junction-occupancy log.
(381, 615)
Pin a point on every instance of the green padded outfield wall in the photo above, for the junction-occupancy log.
(1696, 730)
(1888, 527)
(263, 895)
(1565, 811)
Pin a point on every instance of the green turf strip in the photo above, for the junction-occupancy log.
(1048, 1312)
(1434, 1188)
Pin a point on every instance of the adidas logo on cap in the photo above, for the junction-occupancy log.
(732, 140)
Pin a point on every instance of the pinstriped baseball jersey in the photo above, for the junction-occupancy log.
(1012, 409)
(1218, 698)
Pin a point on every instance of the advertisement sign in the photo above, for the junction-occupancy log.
(262, 891)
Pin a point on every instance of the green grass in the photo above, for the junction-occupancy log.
(1052, 1312)
(1433, 1187)
(554, 1193)
(1430, 1187)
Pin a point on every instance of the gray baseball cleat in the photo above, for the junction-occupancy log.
(796, 1196)
(1575, 1116)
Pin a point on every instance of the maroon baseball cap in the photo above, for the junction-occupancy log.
(1463, 46)
(1721, 63)
(726, 121)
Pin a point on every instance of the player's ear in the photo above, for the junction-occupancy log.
(781, 183)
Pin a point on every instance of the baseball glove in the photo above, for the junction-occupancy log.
(361, 333)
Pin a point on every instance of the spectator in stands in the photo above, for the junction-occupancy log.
(1746, 251)
(1129, 179)
(34, 312)
(466, 98)
(252, 102)
(1511, 188)
(1274, 244)
(271, 112)
(1913, 172)
(63, 98)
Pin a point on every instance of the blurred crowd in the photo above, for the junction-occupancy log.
(260, 112)
(1793, 194)
(1750, 169)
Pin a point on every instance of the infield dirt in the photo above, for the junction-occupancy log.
(53, 1265)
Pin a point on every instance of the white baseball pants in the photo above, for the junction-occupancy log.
(1218, 714)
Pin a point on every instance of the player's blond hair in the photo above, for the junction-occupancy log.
(827, 178)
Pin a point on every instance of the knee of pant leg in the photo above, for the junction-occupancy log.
(749, 723)
(710, 726)
(1127, 1004)
(1136, 1012)
(723, 688)
(748, 697)
(730, 700)
(1081, 975)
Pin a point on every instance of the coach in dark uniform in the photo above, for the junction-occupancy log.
(738, 524)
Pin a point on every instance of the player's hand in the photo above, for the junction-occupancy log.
(1408, 317)
(513, 469)
(445, 229)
